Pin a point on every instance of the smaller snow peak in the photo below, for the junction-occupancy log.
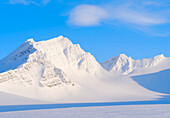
(77, 45)
(130, 58)
(122, 56)
(60, 37)
(159, 56)
(30, 40)
(119, 57)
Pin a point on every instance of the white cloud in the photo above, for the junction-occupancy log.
(87, 15)
(19, 2)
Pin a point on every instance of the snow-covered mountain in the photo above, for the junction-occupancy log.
(125, 65)
(57, 70)
(47, 63)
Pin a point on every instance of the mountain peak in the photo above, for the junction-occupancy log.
(60, 37)
(30, 40)
(57, 38)
(122, 56)
(60, 40)
(159, 56)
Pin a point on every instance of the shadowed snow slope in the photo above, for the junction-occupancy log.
(17, 57)
(158, 82)
(57, 70)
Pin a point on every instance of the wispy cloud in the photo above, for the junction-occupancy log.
(151, 3)
(28, 2)
(20, 2)
(45, 1)
(131, 14)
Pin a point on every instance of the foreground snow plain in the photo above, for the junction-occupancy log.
(123, 111)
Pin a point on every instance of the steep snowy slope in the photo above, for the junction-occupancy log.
(17, 57)
(126, 65)
(47, 63)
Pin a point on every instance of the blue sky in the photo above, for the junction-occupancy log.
(105, 28)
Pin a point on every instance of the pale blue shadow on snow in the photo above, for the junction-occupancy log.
(17, 57)
(10, 108)
(158, 82)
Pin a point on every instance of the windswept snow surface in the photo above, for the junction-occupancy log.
(10, 99)
(125, 111)
(59, 71)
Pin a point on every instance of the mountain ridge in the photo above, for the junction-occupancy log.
(126, 65)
